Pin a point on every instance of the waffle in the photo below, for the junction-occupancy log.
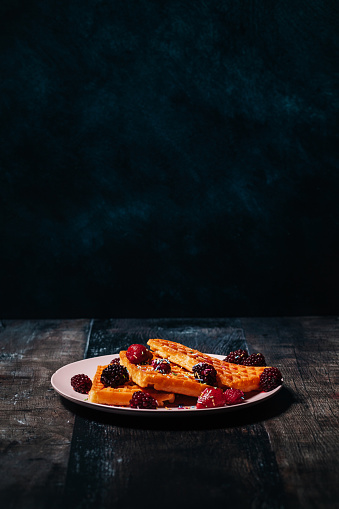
(236, 376)
(178, 380)
(121, 395)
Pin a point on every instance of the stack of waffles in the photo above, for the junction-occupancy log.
(179, 381)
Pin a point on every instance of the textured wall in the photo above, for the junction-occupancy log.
(168, 158)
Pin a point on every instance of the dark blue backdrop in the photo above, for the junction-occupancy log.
(168, 158)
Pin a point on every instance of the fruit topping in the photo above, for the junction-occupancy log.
(233, 396)
(115, 361)
(161, 365)
(270, 378)
(210, 398)
(114, 375)
(81, 383)
(138, 354)
(205, 373)
(236, 357)
(255, 359)
(142, 399)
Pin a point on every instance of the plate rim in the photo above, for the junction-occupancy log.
(81, 400)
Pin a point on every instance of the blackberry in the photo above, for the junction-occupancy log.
(115, 361)
(233, 396)
(270, 378)
(114, 375)
(138, 354)
(142, 399)
(161, 365)
(255, 359)
(205, 373)
(81, 383)
(236, 357)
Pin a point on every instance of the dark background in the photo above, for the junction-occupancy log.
(168, 158)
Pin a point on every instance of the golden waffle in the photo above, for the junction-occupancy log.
(121, 395)
(236, 376)
(178, 380)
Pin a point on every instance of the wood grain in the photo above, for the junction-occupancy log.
(281, 454)
(36, 428)
(305, 437)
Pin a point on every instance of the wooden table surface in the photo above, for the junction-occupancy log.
(281, 453)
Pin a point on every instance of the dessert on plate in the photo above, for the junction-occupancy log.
(157, 377)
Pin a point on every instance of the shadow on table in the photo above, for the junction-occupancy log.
(260, 412)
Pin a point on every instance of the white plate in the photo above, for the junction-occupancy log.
(61, 382)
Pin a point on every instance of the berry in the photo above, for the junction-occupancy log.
(114, 375)
(256, 359)
(270, 378)
(205, 373)
(211, 397)
(142, 399)
(138, 354)
(81, 383)
(236, 357)
(161, 365)
(115, 361)
(233, 396)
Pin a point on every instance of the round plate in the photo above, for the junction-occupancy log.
(61, 382)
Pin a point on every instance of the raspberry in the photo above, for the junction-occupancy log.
(256, 359)
(114, 375)
(236, 357)
(138, 354)
(81, 383)
(233, 396)
(210, 398)
(142, 399)
(115, 361)
(205, 373)
(270, 378)
(161, 365)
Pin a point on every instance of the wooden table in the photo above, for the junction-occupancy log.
(282, 453)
